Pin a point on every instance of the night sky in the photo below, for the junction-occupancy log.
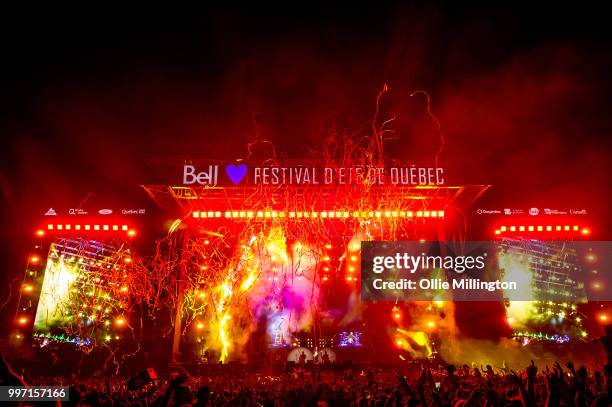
(523, 96)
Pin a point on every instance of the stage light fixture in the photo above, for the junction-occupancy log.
(541, 228)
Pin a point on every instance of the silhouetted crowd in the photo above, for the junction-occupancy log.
(557, 385)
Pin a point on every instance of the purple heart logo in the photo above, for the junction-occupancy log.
(236, 172)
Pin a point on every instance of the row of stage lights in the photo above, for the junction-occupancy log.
(69, 227)
(317, 214)
(583, 231)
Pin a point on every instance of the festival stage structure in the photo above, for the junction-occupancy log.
(284, 252)
(263, 256)
(259, 256)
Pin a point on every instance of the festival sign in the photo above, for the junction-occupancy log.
(243, 174)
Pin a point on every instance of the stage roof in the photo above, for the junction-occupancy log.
(189, 198)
